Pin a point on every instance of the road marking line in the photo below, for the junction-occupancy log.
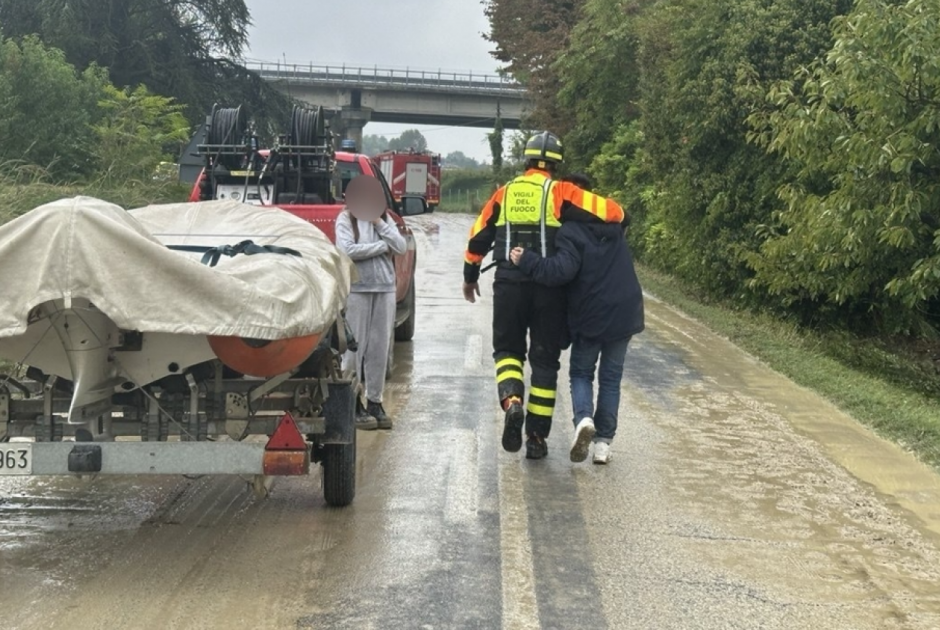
(520, 608)
(460, 506)
(473, 352)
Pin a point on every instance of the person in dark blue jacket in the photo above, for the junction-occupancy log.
(605, 310)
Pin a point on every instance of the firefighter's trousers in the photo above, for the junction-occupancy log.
(529, 319)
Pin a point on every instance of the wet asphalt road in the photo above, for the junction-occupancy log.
(735, 500)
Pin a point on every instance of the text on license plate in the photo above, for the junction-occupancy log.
(16, 459)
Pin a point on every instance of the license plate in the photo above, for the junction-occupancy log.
(16, 459)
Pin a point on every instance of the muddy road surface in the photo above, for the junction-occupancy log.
(735, 500)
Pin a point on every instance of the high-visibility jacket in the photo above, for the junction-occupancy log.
(527, 212)
(524, 220)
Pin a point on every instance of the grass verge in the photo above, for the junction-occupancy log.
(889, 385)
(17, 198)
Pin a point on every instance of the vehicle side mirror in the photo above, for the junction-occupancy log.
(411, 206)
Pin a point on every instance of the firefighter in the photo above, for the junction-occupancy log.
(527, 212)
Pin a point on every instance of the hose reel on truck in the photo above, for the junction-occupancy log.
(298, 169)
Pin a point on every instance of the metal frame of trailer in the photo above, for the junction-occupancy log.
(202, 429)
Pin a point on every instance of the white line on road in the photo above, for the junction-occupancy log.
(460, 506)
(473, 352)
(520, 608)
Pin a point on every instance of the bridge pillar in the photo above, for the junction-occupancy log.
(351, 122)
(340, 133)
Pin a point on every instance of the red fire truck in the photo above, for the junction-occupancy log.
(412, 173)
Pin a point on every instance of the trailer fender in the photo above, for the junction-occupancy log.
(339, 410)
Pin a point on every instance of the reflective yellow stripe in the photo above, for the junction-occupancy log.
(542, 393)
(508, 374)
(539, 409)
(486, 213)
(550, 219)
(596, 205)
(509, 361)
(478, 225)
(538, 153)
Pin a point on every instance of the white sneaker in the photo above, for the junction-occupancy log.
(602, 453)
(583, 434)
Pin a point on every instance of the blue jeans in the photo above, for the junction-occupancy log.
(584, 355)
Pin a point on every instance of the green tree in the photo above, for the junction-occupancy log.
(529, 36)
(704, 68)
(409, 139)
(137, 131)
(517, 142)
(373, 144)
(861, 229)
(599, 72)
(620, 170)
(495, 138)
(179, 48)
(47, 108)
(459, 159)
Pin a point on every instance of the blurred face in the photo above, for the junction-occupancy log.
(365, 198)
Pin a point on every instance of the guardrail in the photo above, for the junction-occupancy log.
(378, 76)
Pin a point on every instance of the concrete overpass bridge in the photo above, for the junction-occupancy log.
(355, 95)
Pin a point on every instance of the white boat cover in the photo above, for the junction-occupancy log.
(119, 260)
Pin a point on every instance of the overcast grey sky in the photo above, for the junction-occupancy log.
(423, 34)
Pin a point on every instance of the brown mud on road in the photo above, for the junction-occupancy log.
(781, 488)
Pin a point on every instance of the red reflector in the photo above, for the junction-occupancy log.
(286, 436)
(286, 462)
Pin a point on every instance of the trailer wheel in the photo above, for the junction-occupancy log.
(339, 473)
(406, 331)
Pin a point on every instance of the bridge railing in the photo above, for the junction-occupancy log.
(377, 75)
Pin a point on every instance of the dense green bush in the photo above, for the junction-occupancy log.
(861, 226)
(778, 154)
(704, 68)
(136, 132)
(47, 108)
(178, 48)
(77, 126)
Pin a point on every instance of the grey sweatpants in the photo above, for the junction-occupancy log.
(371, 317)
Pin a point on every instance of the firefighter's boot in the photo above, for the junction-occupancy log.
(512, 424)
(535, 447)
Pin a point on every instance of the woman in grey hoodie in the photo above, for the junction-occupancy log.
(370, 308)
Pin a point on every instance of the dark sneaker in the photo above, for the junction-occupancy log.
(512, 427)
(378, 412)
(365, 422)
(535, 447)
